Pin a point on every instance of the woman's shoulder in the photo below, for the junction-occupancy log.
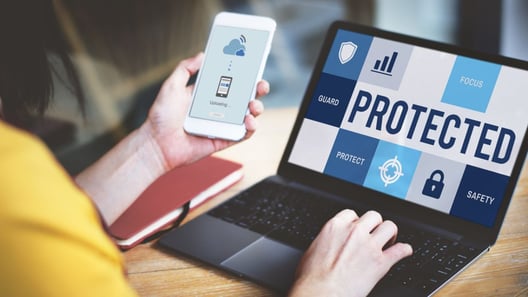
(50, 228)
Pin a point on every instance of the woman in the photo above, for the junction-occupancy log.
(53, 228)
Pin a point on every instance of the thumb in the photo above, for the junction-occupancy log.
(185, 69)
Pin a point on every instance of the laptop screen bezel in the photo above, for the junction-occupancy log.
(381, 201)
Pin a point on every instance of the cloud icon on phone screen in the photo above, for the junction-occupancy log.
(236, 47)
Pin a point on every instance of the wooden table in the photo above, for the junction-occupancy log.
(154, 272)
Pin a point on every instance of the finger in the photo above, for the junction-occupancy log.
(396, 252)
(340, 224)
(370, 220)
(263, 88)
(331, 239)
(256, 107)
(385, 233)
(348, 215)
(251, 125)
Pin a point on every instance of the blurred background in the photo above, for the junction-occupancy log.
(124, 49)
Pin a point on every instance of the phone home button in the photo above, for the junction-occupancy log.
(217, 115)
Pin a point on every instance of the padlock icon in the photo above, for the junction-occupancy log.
(434, 184)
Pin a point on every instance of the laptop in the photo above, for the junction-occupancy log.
(430, 135)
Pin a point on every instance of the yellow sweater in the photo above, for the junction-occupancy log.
(51, 238)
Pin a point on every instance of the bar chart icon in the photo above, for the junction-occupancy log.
(385, 66)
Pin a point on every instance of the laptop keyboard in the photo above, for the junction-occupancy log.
(279, 212)
(296, 217)
(434, 260)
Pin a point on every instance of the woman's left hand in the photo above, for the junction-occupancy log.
(167, 114)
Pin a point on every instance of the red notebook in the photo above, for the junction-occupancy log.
(162, 202)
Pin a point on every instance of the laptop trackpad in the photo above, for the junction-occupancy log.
(209, 239)
(267, 261)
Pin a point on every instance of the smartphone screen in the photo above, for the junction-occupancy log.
(229, 73)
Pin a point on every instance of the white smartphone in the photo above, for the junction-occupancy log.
(235, 57)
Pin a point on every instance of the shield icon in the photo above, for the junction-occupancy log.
(347, 51)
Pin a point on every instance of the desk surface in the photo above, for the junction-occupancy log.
(153, 272)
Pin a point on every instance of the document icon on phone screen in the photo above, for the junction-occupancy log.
(223, 86)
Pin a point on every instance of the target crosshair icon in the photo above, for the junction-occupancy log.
(397, 171)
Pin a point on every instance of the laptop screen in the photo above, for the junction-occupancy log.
(434, 128)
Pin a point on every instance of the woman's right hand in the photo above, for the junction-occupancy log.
(347, 257)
